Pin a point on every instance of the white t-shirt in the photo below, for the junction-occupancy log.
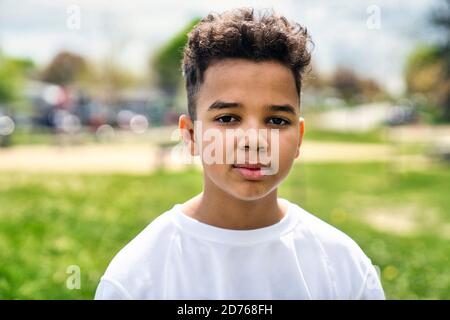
(299, 257)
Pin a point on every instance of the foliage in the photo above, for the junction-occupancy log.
(166, 63)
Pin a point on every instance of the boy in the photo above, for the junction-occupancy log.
(237, 239)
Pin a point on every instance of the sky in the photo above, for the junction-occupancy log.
(373, 37)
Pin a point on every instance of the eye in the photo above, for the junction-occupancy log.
(279, 121)
(226, 119)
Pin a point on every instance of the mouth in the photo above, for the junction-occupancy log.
(250, 171)
(249, 166)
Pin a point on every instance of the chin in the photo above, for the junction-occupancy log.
(251, 193)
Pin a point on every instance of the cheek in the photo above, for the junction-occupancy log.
(214, 151)
(288, 146)
(285, 145)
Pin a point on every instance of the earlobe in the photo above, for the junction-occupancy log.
(301, 123)
(302, 127)
(185, 126)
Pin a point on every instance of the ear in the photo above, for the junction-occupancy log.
(186, 127)
(301, 124)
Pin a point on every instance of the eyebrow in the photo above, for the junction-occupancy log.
(219, 105)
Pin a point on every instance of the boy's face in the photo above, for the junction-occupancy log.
(237, 99)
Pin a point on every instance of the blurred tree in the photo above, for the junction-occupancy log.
(117, 77)
(313, 79)
(25, 66)
(109, 81)
(424, 69)
(166, 63)
(12, 73)
(428, 68)
(68, 68)
(425, 73)
(346, 82)
(65, 68)
(441, 18)
(10, 79)
(371, 90)
(354, 89)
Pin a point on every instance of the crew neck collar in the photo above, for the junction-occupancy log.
(206, 231)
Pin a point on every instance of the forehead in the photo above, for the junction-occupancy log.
(248, 82)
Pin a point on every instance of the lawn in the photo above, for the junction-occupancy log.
(49, 222)
(378, 135)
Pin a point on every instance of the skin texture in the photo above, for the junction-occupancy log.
(228, 200)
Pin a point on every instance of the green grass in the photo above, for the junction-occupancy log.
(373, 136)
(51, 221)
(24, 137)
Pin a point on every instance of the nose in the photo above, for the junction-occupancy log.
(249, 143)
(253, 138)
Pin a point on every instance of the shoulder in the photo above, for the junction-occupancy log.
(332, 240)
(150, 242)
(349, 267)
(140, 261)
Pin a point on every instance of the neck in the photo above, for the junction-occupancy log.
(216, 207)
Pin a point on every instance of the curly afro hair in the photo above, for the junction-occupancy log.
(243, 33)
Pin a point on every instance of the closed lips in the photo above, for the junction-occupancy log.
(249, 166)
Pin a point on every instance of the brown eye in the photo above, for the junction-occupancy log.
(226, 119)
(279, 121)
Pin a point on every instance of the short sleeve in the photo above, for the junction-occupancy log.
(111, 290)
(371, 288)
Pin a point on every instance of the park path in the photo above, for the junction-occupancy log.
(140, 154)
(143, 158)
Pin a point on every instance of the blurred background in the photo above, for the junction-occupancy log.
(91, 92)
